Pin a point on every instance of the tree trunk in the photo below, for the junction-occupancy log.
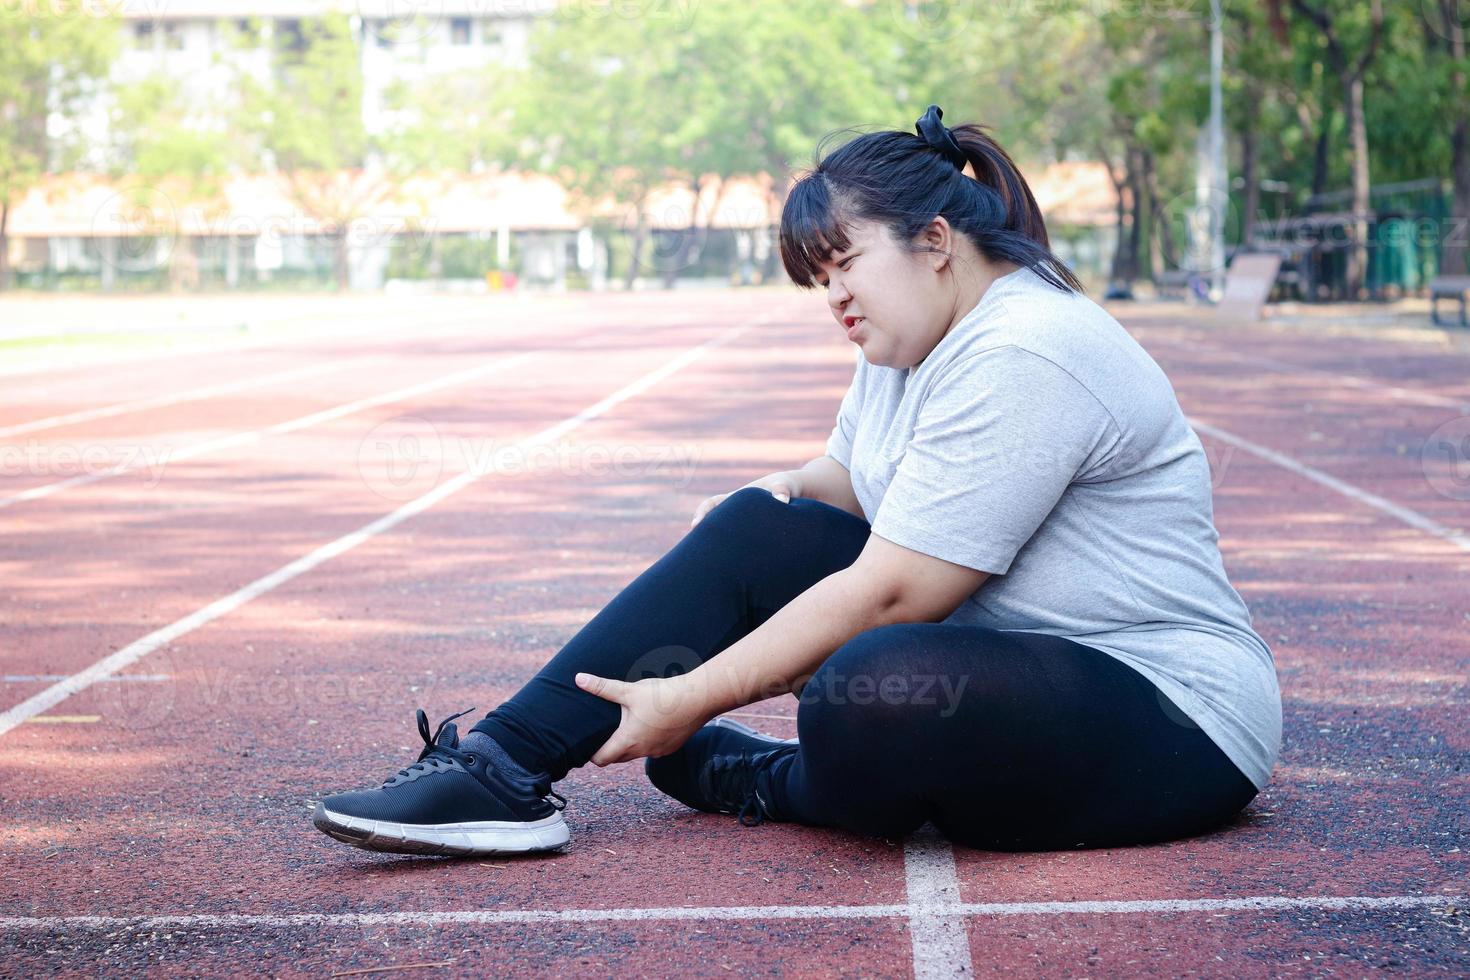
(1319, 158)
(4, 245)
(1135, 232)
(1121, 276)
(1350, 74)
(1357, 268)
(339, 250)
(1163, 231)
(780, 187)
(1452, 257)
(634, 255)
(1249, 165)
(1120, 231)
(1452, 254)
(1151, 208)
(771, 266)
(687, 239)
(1129, 215)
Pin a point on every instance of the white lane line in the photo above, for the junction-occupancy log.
(121, 678)
(1264, 903)
(1410, 517)
(940, 940)
(193, 394)
(169, 457)
(77, 361)
(139, 649)
(1351, 380)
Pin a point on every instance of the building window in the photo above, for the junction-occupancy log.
(459, 30)
(143, 35)
(290, 37)
(173, 36)
(247, 30)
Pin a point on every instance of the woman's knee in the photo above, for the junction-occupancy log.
(742, 512)
(751, 521)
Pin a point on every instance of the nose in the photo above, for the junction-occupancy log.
(837, 295)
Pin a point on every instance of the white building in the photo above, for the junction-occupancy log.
(400, 41)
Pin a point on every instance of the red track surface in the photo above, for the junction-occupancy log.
(186, 791)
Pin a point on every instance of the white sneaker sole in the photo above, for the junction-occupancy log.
(460, 839)
(723, 722)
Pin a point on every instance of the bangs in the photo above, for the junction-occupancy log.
(811, 230)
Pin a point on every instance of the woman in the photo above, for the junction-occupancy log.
(1033, 643)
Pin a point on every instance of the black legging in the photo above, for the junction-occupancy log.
(1006, 740)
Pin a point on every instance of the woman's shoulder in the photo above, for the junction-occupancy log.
(1076, 334)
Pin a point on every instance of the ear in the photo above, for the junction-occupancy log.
(938, 237)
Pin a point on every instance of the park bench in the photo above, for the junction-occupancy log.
(1448, 287)
(1248, 283)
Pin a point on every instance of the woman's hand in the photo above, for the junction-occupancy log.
(659, 715)
(783, 486)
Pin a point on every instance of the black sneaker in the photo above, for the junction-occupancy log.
(717, 770)
(448, 802)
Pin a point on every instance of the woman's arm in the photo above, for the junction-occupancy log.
(827, 480)
(781, 655)
(887, 584)
(659, 714)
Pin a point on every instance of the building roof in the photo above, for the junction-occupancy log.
(1075, 192)
(89, 205)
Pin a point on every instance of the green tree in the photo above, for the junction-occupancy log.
(1447, 70)
(167, 143)
(50, 63)
(307, 124)
(616, 106)
(1349, 33)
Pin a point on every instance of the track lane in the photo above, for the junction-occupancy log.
(1282, 540)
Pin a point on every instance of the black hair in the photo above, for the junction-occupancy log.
(899, 180)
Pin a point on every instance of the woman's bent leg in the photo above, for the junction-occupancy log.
(1007, 740)
(746, 559)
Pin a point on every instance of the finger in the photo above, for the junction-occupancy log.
(603, 687)
(709, 504)
(612, 751)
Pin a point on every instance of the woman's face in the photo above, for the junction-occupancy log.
(895, 293)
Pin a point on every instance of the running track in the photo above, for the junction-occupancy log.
(227, 579)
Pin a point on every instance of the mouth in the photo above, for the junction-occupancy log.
(851, 323)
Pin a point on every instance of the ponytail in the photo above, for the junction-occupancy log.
(903, 181)
(994, 168)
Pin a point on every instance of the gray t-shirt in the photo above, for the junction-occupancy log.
(1039, 442)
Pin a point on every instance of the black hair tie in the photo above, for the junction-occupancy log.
(937, 135)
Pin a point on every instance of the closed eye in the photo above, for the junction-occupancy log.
(841, 265)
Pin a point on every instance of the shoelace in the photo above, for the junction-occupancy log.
(747, 805)
(435, 755)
